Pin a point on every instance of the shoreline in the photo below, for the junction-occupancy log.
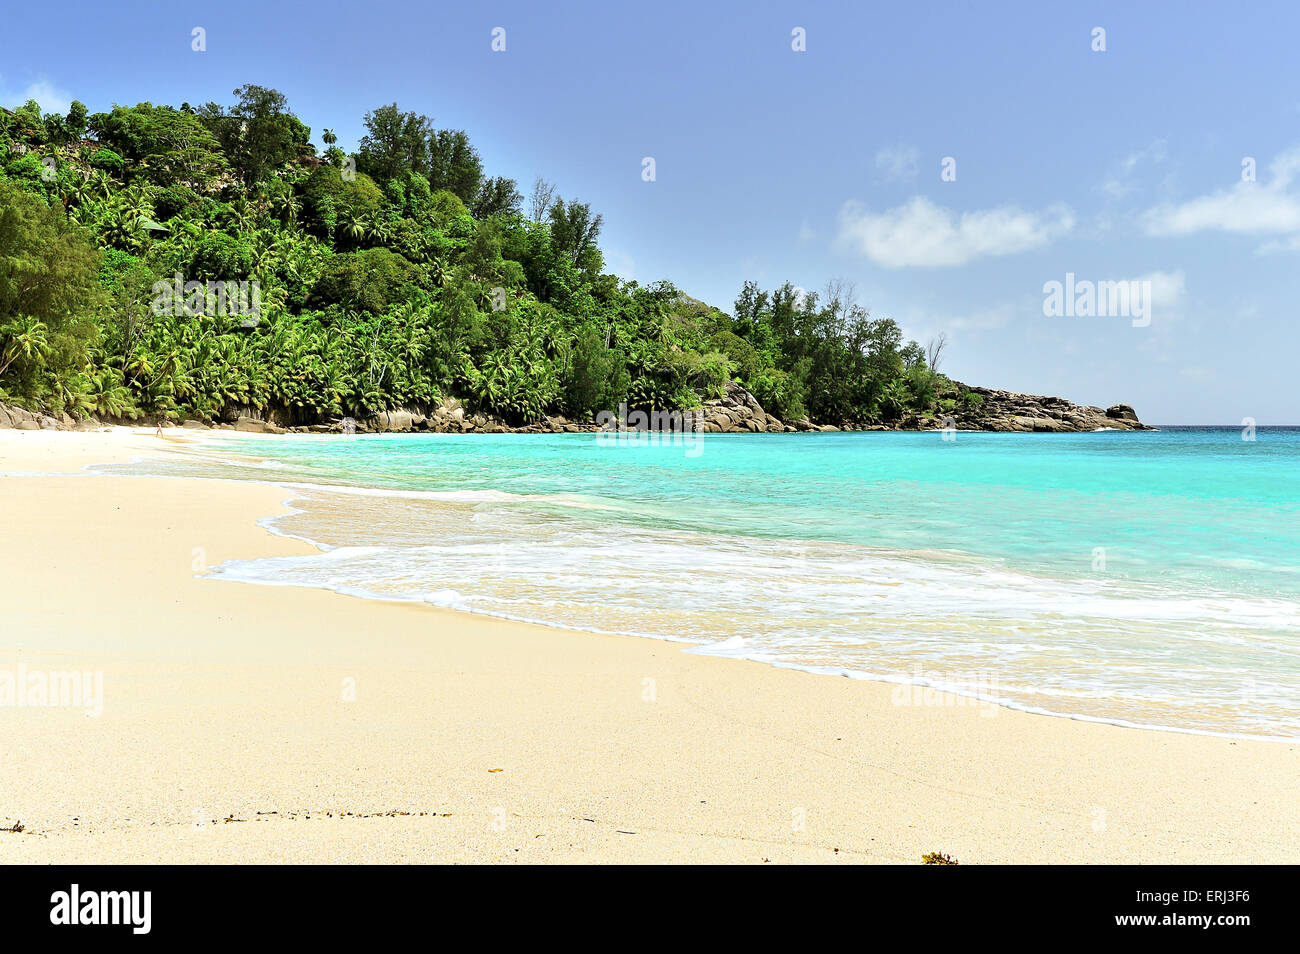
(732, 411)
(693, 646)
(293, 496)
(714, 767)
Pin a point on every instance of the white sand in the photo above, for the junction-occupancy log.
(224, 700)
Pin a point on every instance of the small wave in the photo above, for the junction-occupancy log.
(1144, 651)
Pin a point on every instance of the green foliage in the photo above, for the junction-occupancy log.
(219, 256)
(779, 392)
(455, 165)
(75, 121)
(388, 278)
(395, 143)
(258, 133)
(597, 377)
(331, 200)
(171, 201)
(27, 167)
(48, 285)
(498, 196)
(108, 161)
(164, 145)
(369, 281)
(741, 353)
(574, 231)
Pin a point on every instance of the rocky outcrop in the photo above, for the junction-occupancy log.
(738, 411)
(447, 417)
(735, 411)
(20, 419)
(1008, 411)
(253, 425)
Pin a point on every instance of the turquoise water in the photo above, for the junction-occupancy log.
(1147, 578)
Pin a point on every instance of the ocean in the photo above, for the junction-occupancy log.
(1139, 578)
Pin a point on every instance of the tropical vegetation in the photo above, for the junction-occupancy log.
(390, 277)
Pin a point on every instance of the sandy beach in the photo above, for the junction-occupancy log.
(246, 723)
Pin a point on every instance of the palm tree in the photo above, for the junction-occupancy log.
(107, 395)
(187, 236)
(438, 271)
(378, 229)
(100, 184)
(74, 191)
(243, 214)
(123, 228)
(287, 207)
(136, 202)
(70, 391)
(26, 338)
(353, 225)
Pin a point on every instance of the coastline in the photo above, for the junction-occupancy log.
(293, 495)
(223, 702)
(734, 411)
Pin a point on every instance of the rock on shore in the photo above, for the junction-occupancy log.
(23, 420)
(735, 411)
(1008, 411)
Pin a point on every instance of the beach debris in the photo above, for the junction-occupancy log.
(496, 770)
(318, 813)
(937, 858)
(16, 828)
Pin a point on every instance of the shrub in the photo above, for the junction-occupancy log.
(327, 195)
(221, 257)
(108, 161)
(171, 201)
(370, 280)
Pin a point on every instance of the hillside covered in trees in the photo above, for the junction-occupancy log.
(181, 262)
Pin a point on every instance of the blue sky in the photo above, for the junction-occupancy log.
(775, 164)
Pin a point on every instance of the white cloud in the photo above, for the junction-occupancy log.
(1291, 244)
(51, 98)
(1168, 291)
(922, 234)
(1120, 182)
(1250, 208)
(899, 163)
